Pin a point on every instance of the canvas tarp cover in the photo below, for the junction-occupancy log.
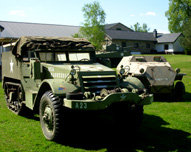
(50, 43)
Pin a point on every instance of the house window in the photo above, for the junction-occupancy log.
(119, 29)
(136, 45)
(148, 45)
(166, 47)
(123, 44)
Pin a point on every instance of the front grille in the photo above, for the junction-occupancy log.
(95, 84)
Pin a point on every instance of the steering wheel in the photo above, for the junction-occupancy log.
(84, 59)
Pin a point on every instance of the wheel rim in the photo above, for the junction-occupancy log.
(49, 110)
(48, 118)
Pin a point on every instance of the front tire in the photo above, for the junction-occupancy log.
(50, 115)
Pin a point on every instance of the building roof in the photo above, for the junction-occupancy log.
(113, 25)
(108, 26)
(168, 38)
(18, 29)
(1, 28)
(127, 35)
(14, 30)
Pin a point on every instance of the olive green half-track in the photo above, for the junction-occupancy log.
(49, 75)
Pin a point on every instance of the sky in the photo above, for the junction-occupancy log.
(69, 12)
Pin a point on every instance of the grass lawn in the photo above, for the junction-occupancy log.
(166, 127)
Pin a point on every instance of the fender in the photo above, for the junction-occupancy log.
(58, 88)
(132, 83)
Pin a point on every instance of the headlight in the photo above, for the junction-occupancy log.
(127, 69)
(122, 70)
(141, 70)
(73, 71)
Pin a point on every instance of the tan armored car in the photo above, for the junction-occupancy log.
(155, 73)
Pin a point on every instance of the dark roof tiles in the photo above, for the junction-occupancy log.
(168, 38)
(127, 35)
(18, 29)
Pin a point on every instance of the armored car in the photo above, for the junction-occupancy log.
(155, 73)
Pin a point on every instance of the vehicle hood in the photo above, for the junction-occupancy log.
(84, 67)
(63, 70)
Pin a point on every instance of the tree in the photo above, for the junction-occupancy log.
(186, 40)
(138, 28)
(178, 14)
(94, 24)
(76, 35)
(145, 28)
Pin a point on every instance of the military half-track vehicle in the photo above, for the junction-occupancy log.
(111, 56)
(155, 73)
(52, 75)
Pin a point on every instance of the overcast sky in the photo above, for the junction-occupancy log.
(69, 12)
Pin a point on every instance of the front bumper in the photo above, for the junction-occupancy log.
(88, 104)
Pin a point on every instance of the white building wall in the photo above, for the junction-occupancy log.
(170, 48)
(5, 48)
(0, 53)
(159, 47)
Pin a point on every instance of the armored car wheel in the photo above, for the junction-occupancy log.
(179, 90)
(50, 115)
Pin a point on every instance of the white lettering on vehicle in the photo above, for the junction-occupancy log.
(11, 66)
(81, 105)
(59, 75)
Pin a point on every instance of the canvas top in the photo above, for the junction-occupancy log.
(26, 43)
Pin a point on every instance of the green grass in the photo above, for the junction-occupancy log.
(184, 63)
(166, 127)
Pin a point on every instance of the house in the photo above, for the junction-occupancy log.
(169, 43)
(131, 41)
(116, 33)
(151, 42)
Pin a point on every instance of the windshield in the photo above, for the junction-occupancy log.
(79, 56)
(64, 56)
(52, 56)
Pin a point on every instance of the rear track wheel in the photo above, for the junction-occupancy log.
(13, 99)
